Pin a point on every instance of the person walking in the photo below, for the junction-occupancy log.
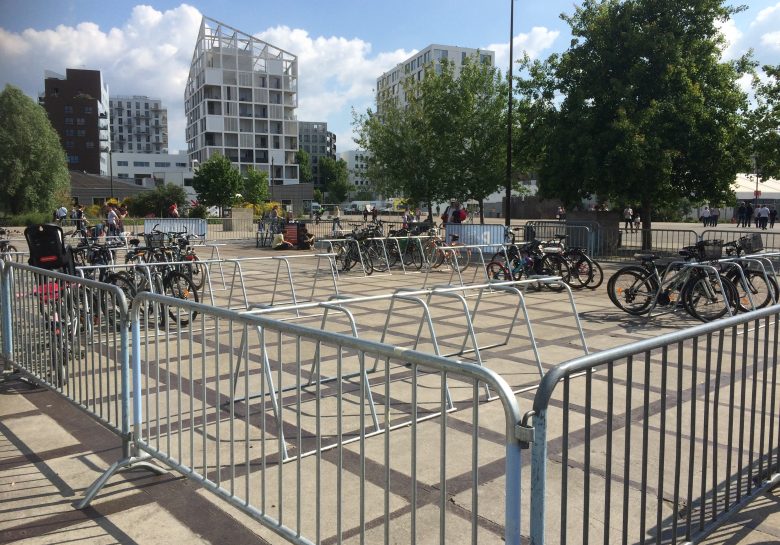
(714, 216)
(763, 214)
(772, 217)
(748, 215)
(336, 215)
(705, 216)
(628, 218)
(741, 214)
(112, 221)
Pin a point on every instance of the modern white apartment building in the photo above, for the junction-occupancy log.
(390, 84)
(240, 102)
(139, 124)
(357, 162)
(152, 169)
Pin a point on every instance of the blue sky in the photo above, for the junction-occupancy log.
(342, 45)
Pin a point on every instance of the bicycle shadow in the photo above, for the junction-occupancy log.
(662, 320)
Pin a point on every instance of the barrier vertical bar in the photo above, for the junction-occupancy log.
(5, 313)
(538, 479)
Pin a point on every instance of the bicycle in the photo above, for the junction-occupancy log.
(702, 294)
(8, 251)
(584, 271)
(527, 261)
(757, 287)
(436, 255)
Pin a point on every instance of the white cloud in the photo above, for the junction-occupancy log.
(732, 36)
(536, 41)
(150, 55)
(766, 14)
(335, 74)
(771, 40)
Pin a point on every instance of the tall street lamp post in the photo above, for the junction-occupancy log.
(508, 205)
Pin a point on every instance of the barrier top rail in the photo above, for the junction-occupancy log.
(583, 363)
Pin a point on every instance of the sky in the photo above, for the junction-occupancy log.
(342, 45)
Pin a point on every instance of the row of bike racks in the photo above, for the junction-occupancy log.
(421, 298)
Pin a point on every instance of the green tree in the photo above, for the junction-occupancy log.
(33, 167)
(157, 201)
(479, 140)
(317, 195)
(256, 186)
(763, 125)
(336, 178)
(217, 182)
(649, 113)
(404, 156)
(304, 166)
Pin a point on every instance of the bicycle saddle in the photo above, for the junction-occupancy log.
(646, 257)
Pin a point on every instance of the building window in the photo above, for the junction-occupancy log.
(67, 109)
(130, 146)
(69, 144)
(90, 145)
(181, 165)
(81, 132)
(73, 159)
(162, 164)
(80, 121)
(188, 182)
(70, 132)
(69, 121)
(121, 163)
(146, 106)
(140, 163)
(87, 109)
(123, 175)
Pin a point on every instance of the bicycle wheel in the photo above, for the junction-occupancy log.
(761, 289)
(195, 271)
(704, 299)
(461, 256)
(375, 251)
(179, 286)
(555, 265)
(496, 271)
(631, 290)
(598, 276)
(580, 272)
(413, 256)
(10, 254)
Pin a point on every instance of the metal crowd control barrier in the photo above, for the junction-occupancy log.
(663, 242)
(661, 440)
(72, 336)
(395, 486)
(770, 239)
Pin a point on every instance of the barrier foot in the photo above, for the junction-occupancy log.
(127, 464)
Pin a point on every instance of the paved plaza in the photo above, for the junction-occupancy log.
(50, 452)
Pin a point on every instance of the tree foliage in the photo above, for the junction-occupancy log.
(303, 159)
(156, 201)
(217, 182)
(447, 141)
(336, 178)
(33, 168)
(649, 113)
(763, 124)
(256, 186)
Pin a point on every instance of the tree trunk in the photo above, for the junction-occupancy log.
(647, 225)
(481, 203)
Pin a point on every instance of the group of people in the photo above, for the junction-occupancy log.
(710, 216)
(454, 213)
(631, 219)
(762, 214)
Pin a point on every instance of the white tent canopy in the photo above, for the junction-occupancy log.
(745, 188)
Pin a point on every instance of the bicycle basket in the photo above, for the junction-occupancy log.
(156, 240)
(710, 250)
(752, 243)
